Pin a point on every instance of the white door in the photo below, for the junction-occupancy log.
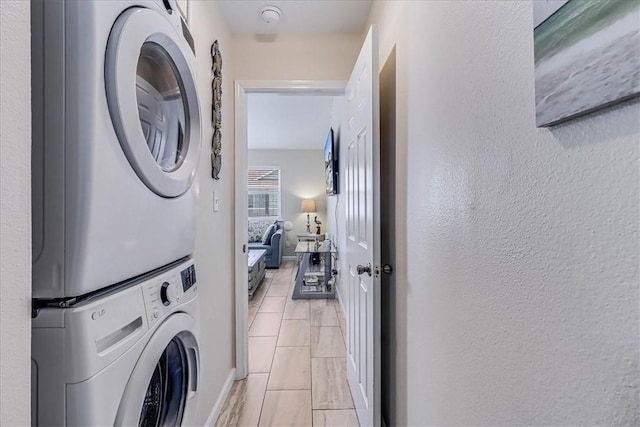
(153, 100)
(363, 233)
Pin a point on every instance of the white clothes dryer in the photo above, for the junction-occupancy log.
(116, 141)
(127, 357)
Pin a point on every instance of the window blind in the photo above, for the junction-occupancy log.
(264, 192)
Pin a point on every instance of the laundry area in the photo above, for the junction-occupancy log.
(115, 312)
(463, 251)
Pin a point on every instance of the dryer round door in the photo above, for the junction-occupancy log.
(162, 390)
(153, 101)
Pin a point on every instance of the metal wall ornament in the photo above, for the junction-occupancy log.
(216, 111)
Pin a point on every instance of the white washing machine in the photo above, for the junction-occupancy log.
(128, 357)
(116, 141)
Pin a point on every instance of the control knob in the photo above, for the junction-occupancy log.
(167, 293)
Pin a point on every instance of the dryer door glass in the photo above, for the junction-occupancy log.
(152, 99)
(165, 399)
(161, 106)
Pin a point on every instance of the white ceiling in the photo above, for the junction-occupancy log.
(288, 122)
(298, 16)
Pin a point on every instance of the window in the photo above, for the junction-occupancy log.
(264, 192)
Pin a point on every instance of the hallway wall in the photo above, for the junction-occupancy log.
(523, 243)
(297, 57)
(214, 242)
(15, 213)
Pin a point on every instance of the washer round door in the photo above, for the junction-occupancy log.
(162, 390)
(153, 101)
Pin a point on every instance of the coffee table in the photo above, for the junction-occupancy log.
(314, 278)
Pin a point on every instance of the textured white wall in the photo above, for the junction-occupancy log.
(214, 243)
(301, 177)
(523, 243)
(15, 216)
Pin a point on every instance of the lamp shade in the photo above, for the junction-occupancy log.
(308, 205)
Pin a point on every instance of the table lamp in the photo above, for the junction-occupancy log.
(307, 206)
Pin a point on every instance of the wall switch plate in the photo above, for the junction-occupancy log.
(216, 202)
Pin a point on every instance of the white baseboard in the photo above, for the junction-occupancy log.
(215, 412)
(289, 258)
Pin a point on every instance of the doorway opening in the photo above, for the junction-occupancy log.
(248, 95)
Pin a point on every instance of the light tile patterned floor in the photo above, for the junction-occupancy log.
(297, 366)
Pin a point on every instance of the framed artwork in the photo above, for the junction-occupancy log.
(216, 111)
(587, 56)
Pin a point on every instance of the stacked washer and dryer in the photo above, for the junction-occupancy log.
(116, 141)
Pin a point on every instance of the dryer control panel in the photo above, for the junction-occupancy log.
(188, 277)
(169, 290)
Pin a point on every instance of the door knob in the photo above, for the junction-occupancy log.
(362, 269)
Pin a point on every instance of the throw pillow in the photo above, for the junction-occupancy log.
(266, 237)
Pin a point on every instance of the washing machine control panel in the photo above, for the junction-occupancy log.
(170, 289)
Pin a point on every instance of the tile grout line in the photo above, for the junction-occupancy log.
(310, 364)
(266, 289)
(264, 292)
(266, 388)
(310, 358)
(264, 395)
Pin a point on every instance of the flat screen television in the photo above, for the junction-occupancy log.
(331, 164)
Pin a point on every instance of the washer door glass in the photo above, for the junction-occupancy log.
(152, 98)
(162, 389)
(164, 401)
(161, 106)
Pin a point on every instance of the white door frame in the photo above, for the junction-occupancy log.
(242, 89)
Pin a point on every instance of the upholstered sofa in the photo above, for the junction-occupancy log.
(274, 245)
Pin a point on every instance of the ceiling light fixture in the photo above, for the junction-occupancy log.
(270, 14)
